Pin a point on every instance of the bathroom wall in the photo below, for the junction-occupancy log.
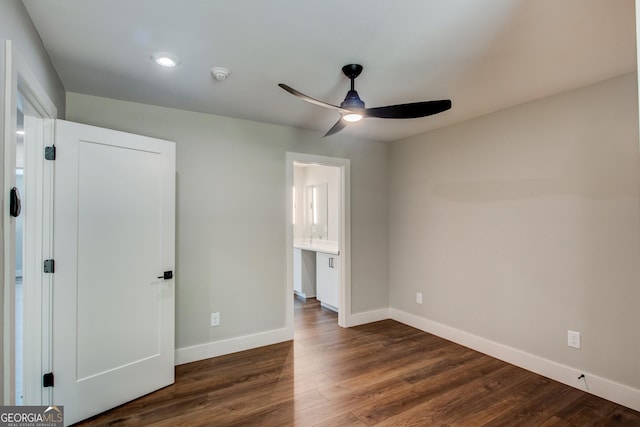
(298, 214)
(315, 175)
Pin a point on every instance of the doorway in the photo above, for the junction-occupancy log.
(319, 225)
(29, 127)
(316, 227)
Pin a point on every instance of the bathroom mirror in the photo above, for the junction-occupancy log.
(316, 212)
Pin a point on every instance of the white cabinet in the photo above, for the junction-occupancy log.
(297, 270)
(304, 273)
(328, 280)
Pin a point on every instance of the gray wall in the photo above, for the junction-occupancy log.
(522, 224)
(15, 25)
(231, 213)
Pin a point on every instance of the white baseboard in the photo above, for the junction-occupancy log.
(602, 387)
(329, 306)
(232, 345)
(303, 295)
(368, 317)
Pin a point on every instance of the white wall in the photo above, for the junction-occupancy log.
(231, 213)
(15, 25)
(298, 183)
(522, 224)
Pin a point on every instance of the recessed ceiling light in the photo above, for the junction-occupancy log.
(165, 59)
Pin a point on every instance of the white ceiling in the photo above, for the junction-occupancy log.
(483, 55)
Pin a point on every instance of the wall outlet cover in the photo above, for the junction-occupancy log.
(215, 319)
(419, 297)
(573, 339)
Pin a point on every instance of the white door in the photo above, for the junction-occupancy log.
(114, 226)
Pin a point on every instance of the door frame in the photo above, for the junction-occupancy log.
(344, 165)
(19, 77)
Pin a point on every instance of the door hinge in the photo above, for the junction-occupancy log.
(50, 152)
(49, 266)
(47, 380)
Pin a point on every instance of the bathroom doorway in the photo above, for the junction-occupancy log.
(318, 233)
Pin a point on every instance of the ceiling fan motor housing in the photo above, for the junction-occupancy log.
(352, 100)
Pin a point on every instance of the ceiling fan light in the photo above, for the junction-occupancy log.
(352, 117)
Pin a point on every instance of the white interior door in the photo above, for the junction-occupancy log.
(114, 232)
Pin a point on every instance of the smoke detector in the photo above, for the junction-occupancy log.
(220, 73)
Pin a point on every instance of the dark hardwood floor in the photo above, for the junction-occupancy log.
(383, 374)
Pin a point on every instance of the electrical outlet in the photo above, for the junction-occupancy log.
(573, 339)
(215, 319)
(419, 297)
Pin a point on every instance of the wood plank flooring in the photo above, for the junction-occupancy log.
(382, 374)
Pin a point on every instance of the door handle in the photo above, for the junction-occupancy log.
(166, 275)
(330, 262)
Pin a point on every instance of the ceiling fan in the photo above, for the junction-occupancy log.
(352, 108)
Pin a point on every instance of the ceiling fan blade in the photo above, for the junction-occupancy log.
(409, 111)
(301, 95)
(340, 124)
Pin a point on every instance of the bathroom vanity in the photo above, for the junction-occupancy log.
(316, 271)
